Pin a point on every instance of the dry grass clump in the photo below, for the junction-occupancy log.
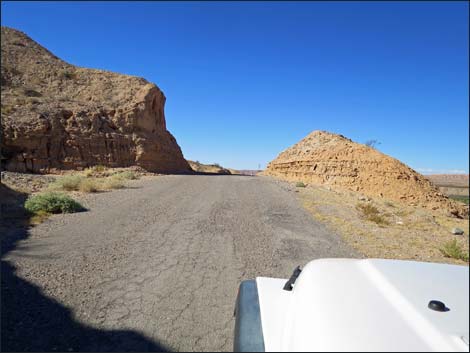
(67, 183)
(88, 173)
(39, 217)
(68, 75)
(300, 184)
(92, 183)
(7, 109)
(371, 213)
(89, 185)
(97, 171)
(454, 250)
(113, 182)
(100, 171)
(127, 175)
(99, 168)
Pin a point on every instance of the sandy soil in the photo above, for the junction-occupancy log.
(413, 233)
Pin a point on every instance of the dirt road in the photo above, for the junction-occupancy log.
(155, 266)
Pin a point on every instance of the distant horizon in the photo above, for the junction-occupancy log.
(246, 81)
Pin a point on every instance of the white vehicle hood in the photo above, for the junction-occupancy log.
(367, 305)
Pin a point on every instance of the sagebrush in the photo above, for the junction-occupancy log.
(372, 213)
(67, 183)
(52, 202)
(453, 250)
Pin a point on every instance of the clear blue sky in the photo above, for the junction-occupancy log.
(246, 80)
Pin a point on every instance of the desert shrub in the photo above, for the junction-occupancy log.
(300, 184)
(33, 101)
(20, 101)
(51, 202)
(99, 168)
(97, 171)
(68, 183)
(462, 198)
(88, 185)
(39, 217)
(87, 173)
(372, 143)
(371, 213)
(113, 182)
(126, 175)
(7, 109)
(453, 250)
(32, 93)
(68, 75)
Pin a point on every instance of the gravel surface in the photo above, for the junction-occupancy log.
(26, 182)
(155, 266)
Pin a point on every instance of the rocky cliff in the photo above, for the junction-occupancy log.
(208, 168)
(59, 116)
(329, 159)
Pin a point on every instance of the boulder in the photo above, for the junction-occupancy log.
(457, 231)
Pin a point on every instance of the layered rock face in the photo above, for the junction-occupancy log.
(59, 116)
(328, 159)
(209, 168)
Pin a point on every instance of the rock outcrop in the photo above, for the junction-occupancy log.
(324, 158)
(59, 116)
(208, 168)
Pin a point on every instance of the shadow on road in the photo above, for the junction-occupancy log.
(31, 321)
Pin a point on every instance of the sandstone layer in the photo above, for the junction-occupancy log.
(59, 116)
(208, 168)
(324, 158)
(452, 180)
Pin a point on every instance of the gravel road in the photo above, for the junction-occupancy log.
(155, 266)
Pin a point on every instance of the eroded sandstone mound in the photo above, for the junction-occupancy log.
(208, 168)
(59, 116)
(330, 159)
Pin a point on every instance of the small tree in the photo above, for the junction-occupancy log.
(372, 143)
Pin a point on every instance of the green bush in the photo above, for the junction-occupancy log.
(68, 183)
(453, 250)
(300, 184)
(52, 202)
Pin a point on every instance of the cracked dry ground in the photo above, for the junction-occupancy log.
(155, 266)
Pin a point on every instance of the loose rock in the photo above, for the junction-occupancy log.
(457, 231)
